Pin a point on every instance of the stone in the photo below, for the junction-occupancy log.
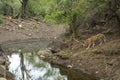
(69, 66)
(2, 60)
(1, 78)
(44, 53)
(56, 46)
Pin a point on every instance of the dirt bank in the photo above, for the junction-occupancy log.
(25, 32)
(28, 29)
(102, 61)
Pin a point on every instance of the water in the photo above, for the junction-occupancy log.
(28, 66)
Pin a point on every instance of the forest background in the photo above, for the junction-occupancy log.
(76, 14)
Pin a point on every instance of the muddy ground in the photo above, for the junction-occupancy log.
(101, 62)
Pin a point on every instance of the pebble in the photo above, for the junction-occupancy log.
(69, 66)
(20, 25)
(96, 72)
(3, 67)
(42, 56)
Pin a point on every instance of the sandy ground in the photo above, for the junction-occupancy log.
(27, 29)
(26, 32)
(101, 62)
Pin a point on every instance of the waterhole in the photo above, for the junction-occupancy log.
(26, 65)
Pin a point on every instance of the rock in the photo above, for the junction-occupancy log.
(3, 67)
(44, 53)
(97, 72)
(9, 76)
(3, 58)
(113, 61)
(20, 25)
(1, 78)
(2, 70)
(42, 56)
(29, 34)
(1, 50)
(55, 46)
(70, 66)
(2, 61)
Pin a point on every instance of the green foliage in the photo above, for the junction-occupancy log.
(16, 5)
(56, 11)
(40, 8)
(1, 18)
(9, 7)
(34, 8)
(96, 6)
(1, 21)
(65, 10)
(70, 12)
(118, 11)
(66, 54)
(35, 26)
(1, 11)
(55, 17)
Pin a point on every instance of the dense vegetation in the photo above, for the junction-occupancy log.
(74, 13)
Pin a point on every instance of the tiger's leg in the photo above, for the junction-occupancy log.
(104, 39)
(93, 44)
(89, 45)
(101, 41)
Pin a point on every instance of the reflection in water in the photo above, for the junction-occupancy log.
(28, 66)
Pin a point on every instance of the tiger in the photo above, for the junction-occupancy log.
(91, 41)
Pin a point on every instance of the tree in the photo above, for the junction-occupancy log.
(112, 8)
(6, 7)
(22, 14)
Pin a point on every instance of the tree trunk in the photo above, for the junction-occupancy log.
(112, 8)
(22, 14)
(74, 24)
(24, 4)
